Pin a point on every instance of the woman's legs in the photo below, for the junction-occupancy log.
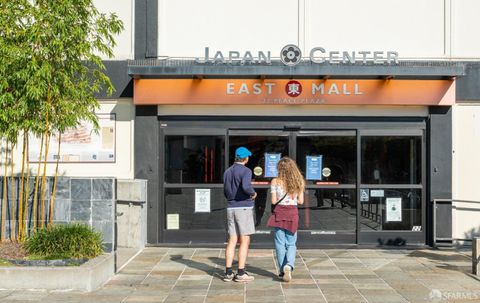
(291, 248)
(280, 247)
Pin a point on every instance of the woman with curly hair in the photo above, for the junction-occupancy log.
(287, 191)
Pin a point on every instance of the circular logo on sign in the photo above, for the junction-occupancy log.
(326, 172)
(293, 88)
(290, 55)
(257, 171)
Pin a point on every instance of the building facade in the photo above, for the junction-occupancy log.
(378, 104)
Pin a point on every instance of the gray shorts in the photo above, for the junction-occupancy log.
(240, 221)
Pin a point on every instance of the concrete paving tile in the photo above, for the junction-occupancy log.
(386, 298)
(26, 295)
(225, 298)
(265, 299)
(333, 281)
(226, 292)
(372, 286)
(188, 292)
(337, 286)
(184, 299)
(5, 293)
(299, 291)
(303, 299)
(158, 298)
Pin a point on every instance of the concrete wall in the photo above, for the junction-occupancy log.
(466, 168)
(122, 168)
(125, 12)
(416, 29)
(81, 200)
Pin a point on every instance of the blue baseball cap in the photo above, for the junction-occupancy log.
(242, 152)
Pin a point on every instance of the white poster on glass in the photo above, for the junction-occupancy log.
(173, 221)
(202, 200)
(394, 209)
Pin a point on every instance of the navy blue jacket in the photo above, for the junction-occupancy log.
(237, 186)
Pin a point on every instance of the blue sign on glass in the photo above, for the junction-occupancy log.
(271, 161)
(314, 167)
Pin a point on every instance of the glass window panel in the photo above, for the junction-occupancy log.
(391, 160)
(328, 210)
(259, 145)
(338, 155)
(194, 159)
(181, 202)
(392, 209)
(324, 209)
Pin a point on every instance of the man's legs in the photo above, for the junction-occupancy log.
(243, 251)
(230, 250)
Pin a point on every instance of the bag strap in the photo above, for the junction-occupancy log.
(281, 199)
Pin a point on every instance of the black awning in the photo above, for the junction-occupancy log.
(182, 68)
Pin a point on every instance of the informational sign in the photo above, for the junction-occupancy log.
(271, 161)
(364, 195)
(282, 92)
(378, 193)
(202, 200)
(394, 209)
(314, 167)
(173, 221)
(80, 144)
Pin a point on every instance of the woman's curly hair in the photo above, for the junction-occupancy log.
(290, 176)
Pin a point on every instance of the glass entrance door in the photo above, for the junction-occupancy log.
(363, 185)
(327, 160)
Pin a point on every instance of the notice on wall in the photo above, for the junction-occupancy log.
(393, 209)
(378, 193)
(80, 144)
(173, 221)
(271, 161)
(364, 195)
(314, 167)
(202, 200)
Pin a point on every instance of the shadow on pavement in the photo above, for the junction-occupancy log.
(218, 272)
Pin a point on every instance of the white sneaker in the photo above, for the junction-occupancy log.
(287, 270)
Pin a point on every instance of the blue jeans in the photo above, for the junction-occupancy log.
(285, 247)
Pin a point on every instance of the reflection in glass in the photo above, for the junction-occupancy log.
(194, 159)
(181, 201)
(391, 160)
(324, 210)
(375, 215)
(259, 145)
(328, 210)
(338, 155)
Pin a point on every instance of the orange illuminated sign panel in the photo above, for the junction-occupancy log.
(294, 92)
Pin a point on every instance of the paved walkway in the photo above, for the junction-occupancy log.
(331, 275)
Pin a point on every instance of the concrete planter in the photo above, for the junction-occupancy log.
(86, 277)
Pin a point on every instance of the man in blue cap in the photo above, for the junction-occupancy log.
(237, 186)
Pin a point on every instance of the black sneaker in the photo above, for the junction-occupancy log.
(243, 278)
(228, 277)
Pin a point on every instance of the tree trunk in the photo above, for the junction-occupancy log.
(26, 193)
(12, 203)
(52, 200)
(44, 179)
(4, 204)
(35, 192)
(21, 192)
